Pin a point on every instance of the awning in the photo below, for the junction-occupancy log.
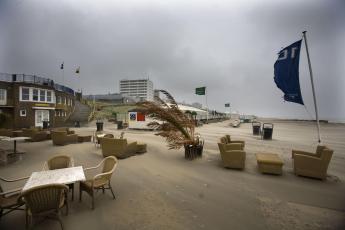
(36, 107)
(6, 106)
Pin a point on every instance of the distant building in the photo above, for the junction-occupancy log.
(141, 88)
(115, 98)
(28, 100)
(197, 105)
(137, 119)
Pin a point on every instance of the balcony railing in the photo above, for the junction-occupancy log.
(34, 80)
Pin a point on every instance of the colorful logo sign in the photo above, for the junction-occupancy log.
(133, 116)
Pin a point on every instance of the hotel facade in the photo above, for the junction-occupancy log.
(28, 100)
(142, 89)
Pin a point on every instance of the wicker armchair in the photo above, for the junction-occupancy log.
(27, 132)
(6, 132)
(118, 148)
(99, 181)
(312, 164)
(62, 138)
(45, 201)
(64, 129)
(9, 199)
(59, 162)
(98, 135)
(38, 136)
(232, 155)
(229, 141)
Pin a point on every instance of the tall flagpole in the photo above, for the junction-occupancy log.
(312, 86)
(206, 104)
(229, 110)
(62, 67)
(63, 76)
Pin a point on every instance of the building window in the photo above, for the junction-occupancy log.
(65, 100)
(49, 96)
(2, 94)
(42, 95)
(22, 112)
(58, 100)
(25, 94)
(3, 99)
(35, 94)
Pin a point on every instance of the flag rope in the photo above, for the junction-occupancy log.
(309, 113)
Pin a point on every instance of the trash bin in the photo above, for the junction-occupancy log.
(77, 124)
(99, 126)
(256, 128)
(45, 124)
(267, 131)
(119, 124)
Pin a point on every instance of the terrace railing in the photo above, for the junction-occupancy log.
(34, 80)
(63, 88)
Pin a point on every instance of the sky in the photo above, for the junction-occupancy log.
(228, 46)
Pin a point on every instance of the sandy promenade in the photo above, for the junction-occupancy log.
(162, 190)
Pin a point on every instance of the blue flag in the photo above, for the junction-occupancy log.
(286, 75)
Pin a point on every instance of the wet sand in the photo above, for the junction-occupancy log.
(162, 190)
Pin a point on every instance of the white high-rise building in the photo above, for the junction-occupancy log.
(140, 88)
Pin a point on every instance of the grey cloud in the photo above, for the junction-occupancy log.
(228, 47)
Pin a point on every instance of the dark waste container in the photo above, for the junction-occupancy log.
(267, 131)
(193, 151)
(119, 124)
(99, 126)
(77, 124)
(45, 124)
(256, 128)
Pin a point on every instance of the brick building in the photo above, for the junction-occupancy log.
(27, 101)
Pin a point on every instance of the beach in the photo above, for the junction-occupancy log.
(160, 189)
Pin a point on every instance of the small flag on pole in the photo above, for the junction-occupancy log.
(200, 91)
(227, 105)
(77, 70)
(61, 67)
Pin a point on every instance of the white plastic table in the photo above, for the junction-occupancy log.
(57, 176)
(15, 139)
(96, 136)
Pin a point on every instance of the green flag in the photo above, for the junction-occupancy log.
(200, 91)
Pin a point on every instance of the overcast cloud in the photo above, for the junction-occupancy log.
(228, 46)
